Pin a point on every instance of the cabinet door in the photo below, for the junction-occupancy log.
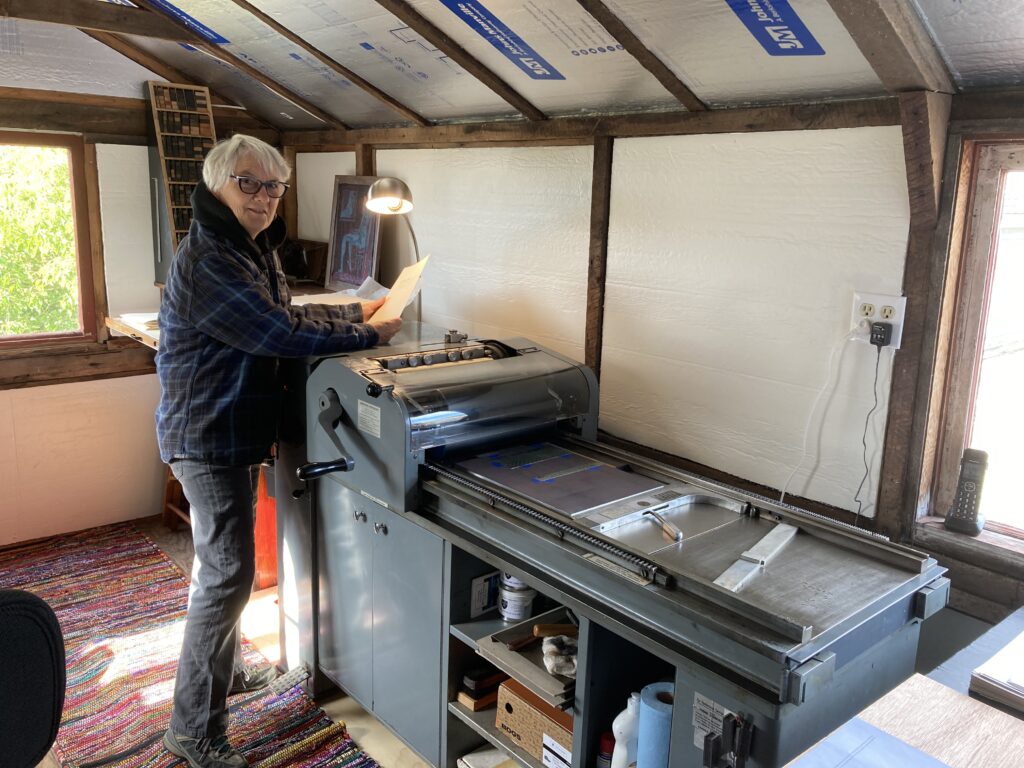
(345, 552)
(408, 564)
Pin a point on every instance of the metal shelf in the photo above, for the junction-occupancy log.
(482, 723)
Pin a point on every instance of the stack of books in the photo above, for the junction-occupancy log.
(479, 687)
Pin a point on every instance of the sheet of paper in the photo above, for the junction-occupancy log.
(403, 291)
(339, 297)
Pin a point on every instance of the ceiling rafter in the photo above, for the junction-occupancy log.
(89, 14)
(433, 35)
(648, 60)
(327, 61)
(200, 43)
(171, 74)
(896, 43)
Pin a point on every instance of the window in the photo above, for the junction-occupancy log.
(983, 406)
(46, 284)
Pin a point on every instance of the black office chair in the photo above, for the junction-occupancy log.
(32, 678)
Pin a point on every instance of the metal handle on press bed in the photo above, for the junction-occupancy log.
(317, 469)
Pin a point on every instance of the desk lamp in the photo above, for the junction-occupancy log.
(388, 196)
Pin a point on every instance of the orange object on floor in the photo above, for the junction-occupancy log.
(266, 532)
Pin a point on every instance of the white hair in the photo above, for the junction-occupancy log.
(225, 155)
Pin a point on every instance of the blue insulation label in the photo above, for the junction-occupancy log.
(193, 24)
(494, 31)
(776, 27)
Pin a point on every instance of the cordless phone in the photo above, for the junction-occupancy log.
(963, 516)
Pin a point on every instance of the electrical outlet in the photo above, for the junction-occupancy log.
(877, 307)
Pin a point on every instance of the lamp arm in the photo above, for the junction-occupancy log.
(415, 245)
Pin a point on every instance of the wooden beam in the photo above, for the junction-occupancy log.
(600, 211)
(440, 40)
(643, 55)
(991, 104)
(82, 362)
(89, 14)
(218, 52)
(896, 44)
(27, 109)
(925, 120)
(365, 160)
(99, 274)
(792, 117)
(330, 63)
(291, 196)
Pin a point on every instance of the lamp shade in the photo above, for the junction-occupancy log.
(389, 195)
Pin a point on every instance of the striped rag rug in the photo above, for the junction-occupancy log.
(121, 605)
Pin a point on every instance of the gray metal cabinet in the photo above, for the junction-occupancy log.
(381, 613)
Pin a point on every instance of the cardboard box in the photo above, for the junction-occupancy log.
(525, 720)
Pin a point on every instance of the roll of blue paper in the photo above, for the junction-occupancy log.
(655, 725)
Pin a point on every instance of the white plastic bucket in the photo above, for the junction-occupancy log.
(512, 582)
(515, 604)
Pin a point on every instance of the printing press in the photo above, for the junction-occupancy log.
(777, 624)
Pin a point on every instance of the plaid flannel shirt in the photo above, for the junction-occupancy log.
(225, 319)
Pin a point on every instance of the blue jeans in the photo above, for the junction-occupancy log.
(222, 501)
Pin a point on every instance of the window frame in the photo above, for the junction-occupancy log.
(959, 319)
(87, 304)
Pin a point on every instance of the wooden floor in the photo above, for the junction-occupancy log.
(260, 625)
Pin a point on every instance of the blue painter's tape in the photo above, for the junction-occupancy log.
(775, 25)
(367, 46)
(295, 56)
(508, 43)
(193, 24)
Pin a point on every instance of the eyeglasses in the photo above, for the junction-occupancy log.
(251, 185)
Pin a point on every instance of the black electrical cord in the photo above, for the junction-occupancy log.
(864, 440)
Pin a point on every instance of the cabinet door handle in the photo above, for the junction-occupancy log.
(360, 516)
(380, 528)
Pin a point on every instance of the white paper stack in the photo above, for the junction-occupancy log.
(486, 757)
(1001, 678)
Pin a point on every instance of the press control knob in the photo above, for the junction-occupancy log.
(467, 354)
(453, 355)
(415, 360)
(434, 357)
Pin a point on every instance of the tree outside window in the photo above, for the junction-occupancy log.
(43, 264)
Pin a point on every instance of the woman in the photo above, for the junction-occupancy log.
(225, 319)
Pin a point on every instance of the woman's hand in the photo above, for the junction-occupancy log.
(386, 328)
(369, 307)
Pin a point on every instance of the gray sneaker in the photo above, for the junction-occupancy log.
(204, 753)
(252, 678)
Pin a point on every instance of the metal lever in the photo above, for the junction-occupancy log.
(380, 528)
(317, 469)
(360, 516)
(667, 526)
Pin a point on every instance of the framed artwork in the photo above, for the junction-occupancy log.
(353, 251)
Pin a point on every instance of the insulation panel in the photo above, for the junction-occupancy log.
(53, 57)
(508, 233)
(735, 52)
(553, 53)
(982, 43)
(732, 261)
(384, 51)
(243, 35)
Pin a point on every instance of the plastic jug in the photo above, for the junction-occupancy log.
(625, 728)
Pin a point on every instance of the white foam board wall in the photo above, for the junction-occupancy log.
(54, 57)
(732, 262)
(126, 216)
(74, 456)
(508, 233)
(314, 177)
